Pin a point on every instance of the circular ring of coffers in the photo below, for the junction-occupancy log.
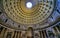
(18, 12)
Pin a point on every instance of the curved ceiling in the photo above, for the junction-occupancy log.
(17, 15)
(39, 19)
(18, 12)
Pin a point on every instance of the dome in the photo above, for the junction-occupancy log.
(29, 18)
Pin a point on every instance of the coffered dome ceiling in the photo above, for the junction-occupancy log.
(29, 18)
(18, 12)
(27, 13)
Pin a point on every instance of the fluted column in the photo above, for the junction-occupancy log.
(12, 34)
(20, 34)
(57, 29)
(40, 34)
(44, 34)
(47, 33)
(15, 35)
(54, 31)
(5, 35)
(2, 33)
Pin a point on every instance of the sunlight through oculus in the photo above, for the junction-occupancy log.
(29, 5)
